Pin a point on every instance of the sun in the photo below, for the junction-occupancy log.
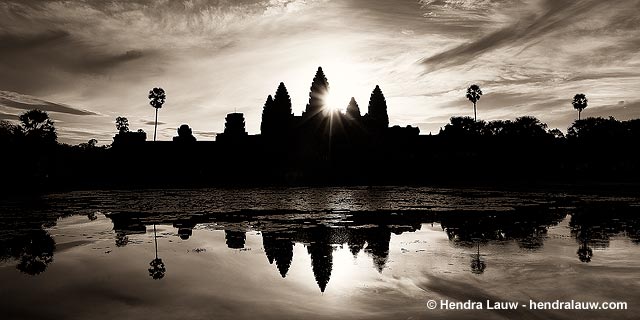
(346, 79)
(333, 103)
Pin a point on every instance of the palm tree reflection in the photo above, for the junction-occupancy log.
(157, 269)
(477, 265)
(584, 252)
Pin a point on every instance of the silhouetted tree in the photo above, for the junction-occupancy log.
(122, 124)
(8, 131)
(529, 126)
(353, 111)
(185, 134)
(464, 127)
(473, 94)
(579, 103)
(377, 113)
(37, 125)
(157, 98)
(597, 129)
(556, 133)
(89, 144)
(317, 95)
(498, 128)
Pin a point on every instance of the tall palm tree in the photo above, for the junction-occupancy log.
(157, 97)
(579, 103)
(473, 94)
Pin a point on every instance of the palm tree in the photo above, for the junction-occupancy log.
(473, 94)
(579, 102)
(157, 97)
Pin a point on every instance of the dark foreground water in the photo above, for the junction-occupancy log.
(317, 253)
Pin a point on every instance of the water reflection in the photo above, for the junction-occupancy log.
(316, 262)
(157, 268)
(235, 239)
(370, 232)
(591, 224)
(27, 242)
(477, 264)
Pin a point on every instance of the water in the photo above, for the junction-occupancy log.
(316, 253)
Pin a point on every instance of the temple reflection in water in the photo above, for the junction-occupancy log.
(29, 243)
(370, 232)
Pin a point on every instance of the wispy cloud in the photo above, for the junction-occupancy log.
(24, 102)
(152, 122)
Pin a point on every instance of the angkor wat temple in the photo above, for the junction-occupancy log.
(324, 146)
(318, 122)
(317, 146)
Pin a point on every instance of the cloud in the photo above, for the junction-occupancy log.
(20, 101)
(41, 62)
(207, 134)
(553, 16)
(622, 110)
(8, 116)
(20, 41)
(152, 122)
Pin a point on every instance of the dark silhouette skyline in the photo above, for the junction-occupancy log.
(324, 146)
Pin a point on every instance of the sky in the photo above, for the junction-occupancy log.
(87, 62)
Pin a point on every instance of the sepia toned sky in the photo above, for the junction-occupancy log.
(89, 61)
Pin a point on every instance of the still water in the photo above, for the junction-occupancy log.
(316, 253)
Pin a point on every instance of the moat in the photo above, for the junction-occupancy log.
(359, 252)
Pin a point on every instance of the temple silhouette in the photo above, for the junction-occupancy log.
(319, 123)
(321, 145)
